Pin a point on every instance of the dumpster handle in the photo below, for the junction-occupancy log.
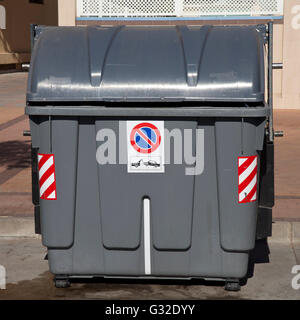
(32, 35)
(50, 134)
(270, 79)
(242, 135)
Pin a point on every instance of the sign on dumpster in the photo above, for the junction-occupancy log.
(47, 178)
(145, 146)
(247, 172)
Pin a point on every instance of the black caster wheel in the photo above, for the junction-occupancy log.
(62, 283)
(232, 286)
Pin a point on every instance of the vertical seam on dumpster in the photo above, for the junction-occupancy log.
(99, 200)
(113, 37)
(193, 199)
(113, 34)
(208, 31)
(75, 191)
(203, 42)
(179, 34)
(147, 236)
(217, 181)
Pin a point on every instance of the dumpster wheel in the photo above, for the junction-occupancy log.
(232, 285)
(62, 283)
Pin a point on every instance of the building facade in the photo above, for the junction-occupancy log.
(15, 19)
(14, 41)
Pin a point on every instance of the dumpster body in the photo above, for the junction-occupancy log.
(195, 219)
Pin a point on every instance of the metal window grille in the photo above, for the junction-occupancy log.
(177, 8)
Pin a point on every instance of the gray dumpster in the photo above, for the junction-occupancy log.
(148, 147)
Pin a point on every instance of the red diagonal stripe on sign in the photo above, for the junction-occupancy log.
(246, 164)
(141, 133)
(49, 190)
(250, 195)
(46, 175)
(44, 158)
(247, 181)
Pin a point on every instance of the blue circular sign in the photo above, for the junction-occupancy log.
(145, 138)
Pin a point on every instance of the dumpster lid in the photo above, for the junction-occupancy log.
(147, 63)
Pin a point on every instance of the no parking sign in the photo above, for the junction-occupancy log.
(145, 146)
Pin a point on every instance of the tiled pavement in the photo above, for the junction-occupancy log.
(15, 177)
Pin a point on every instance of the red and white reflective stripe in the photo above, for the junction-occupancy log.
(47, 176)
(247, 171)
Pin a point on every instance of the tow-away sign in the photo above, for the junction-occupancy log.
(145, 146)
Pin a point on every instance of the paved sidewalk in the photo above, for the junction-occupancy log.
(287, 165)
(28, 276)
(15, 172)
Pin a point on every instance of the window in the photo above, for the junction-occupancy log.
(2, 18)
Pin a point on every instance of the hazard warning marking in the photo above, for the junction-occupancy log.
(247, 172)
(145, 146)
(47, 178)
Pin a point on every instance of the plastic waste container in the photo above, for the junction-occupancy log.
(148, 145)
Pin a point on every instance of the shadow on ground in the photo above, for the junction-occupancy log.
(120, 289)
(43, 287)
(15, 154)
(260, 254)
